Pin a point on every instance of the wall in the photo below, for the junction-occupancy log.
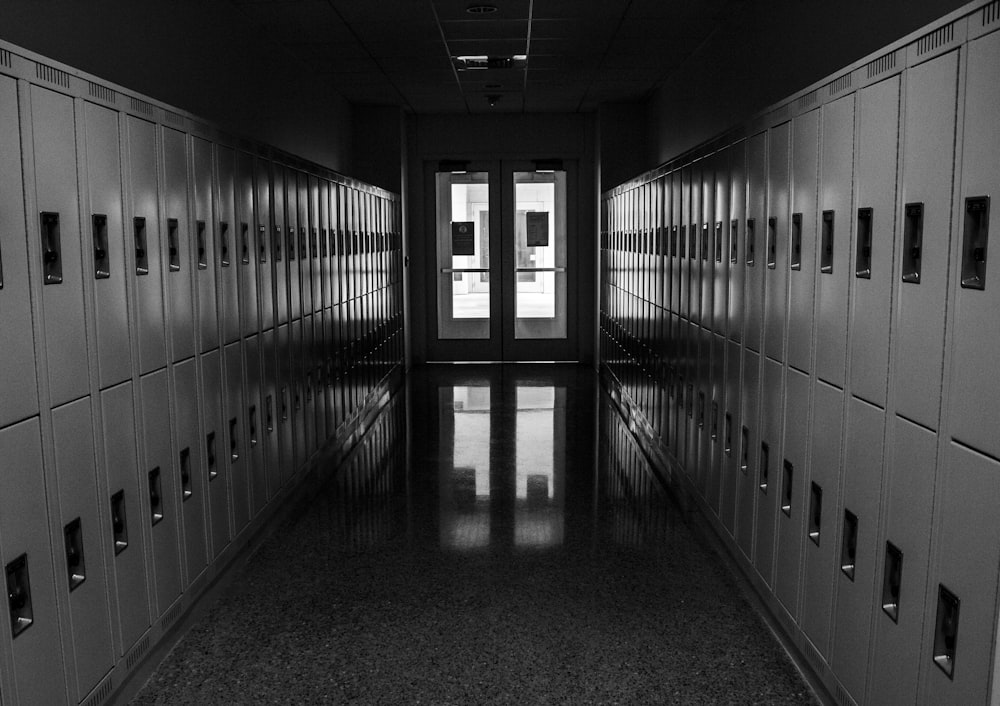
(768, 50)
(165, 53)
(378, 145)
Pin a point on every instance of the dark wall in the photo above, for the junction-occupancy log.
(767, 51)
(180, 52)
(377, 149)
(623, 145)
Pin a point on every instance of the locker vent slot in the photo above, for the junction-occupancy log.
(173, 245)
(155, 497)
(186, 485)
(5, 58)
(786, 487)
(76, 565)
(880, 65)
(99, 695)
(815, 512)
(913, 235)
(772, 242)
(977, 223)
(200, 127)
(946, 631)
(806, 100)
(51, 248)
(892, 580)
(826, 254)
(718, 241)
(224, 242)
(96, 90)
(99, 233)
(765, 464)
(141, 253)
(261, 243)
(840, 84)
(734, 241)
(795, 259)
(863, 261)
(136, 654)
(245, 243)
(140, 106)
(202, 249)
(47, 73)
(213, 470)
(171, 616)
(844, 697)
(991, 13)
(234, 452)
(119, 523)
(745, 450)
(729, 435)
(937, 38)
(19, 595)
(277, 243)
(173, 118)
(849, 544)
(751, 237)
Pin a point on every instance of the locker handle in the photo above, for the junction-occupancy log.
(815, 512)
(155, 497)
(913, 235)
(765, 462)
(701, 409)
(269, 414)
(772, 243)
(224, 242)
(673, 241)
(976, 237)
(734, 241)
(19, 595)
(99, 234)
(849, 545)
(303, 254)
(76, 564)
(185, 458)
(313, 244)
(141, 253)
(277, 243)
(234, 448)
(202, 250)
(213, 471)
(693, 245)
(786, 487)
(261, 243)
(245, 242)
(729, 435)
(863, 260)
(173, 247)
(745, 450)
(715, 421)
(51, 248)
(892, 581)
(795, 260)
(704, 242)
(324, 243)
(826, 252)
(290, 233)
(252, 421)
(683, 242)
(946, 631)
(718, 241)
(284, 404)
(119, 525)
(751, 245)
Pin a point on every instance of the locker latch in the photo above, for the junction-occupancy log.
(745, 450)
(313, 242)
(826, 252)
(863, 261)
(751, 245)
(19, 595)
(815, 512)
(734, 241)
(119, 527)
(213, 471)
(252, 422)
(718, 241)
(765, 463)
(795, 261)
(303, 254)
(849, 544)
(977, 223)
(786, 487)
(224, 242)
(186, 487)
(173, 246)
(269, 414)
(51, 248)
(277, 243)
(245, 243)
(99, 233)
(141, 253)
(234, 447)
(946, 631)
(704, 241)
(75, 564)
(772, 242)
(913, 235)
(728, 448)
(892, 580)
(261, 243)
(202, 248)
(155, 497)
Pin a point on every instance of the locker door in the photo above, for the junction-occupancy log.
(228, 245)
(158, 481)
(279, 244)
(776, 232)
(248, 249)
(285, 403)
(271, 414)
(235, 449)
(706, 246)
(329, 380)
(297, 386)
(755, 240)
(694, 243)
(859, 556)
(57, 233)
(834, 239)
(968, 529)
(821, 544)
(203, 242)
(730, 430)
(103, 217)
(791, 492)
(291, 243)
(928, 149)
(87, 637)
(720, 281)
(325, 235)
(714, 417)
(737, 240)
(975, 391)
(747, 441)
(907, 521)
(31, 636)
(214, 449)
(769, 468)
(193, 478)
(143, 223)
(314, 249)
(265, 245)
(875, 195)
(123, 531)
(305, 257)
(256, 429)
(688, 226)
(178, 233)
(802, 252)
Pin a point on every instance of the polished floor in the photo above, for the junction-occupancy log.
(495, 538)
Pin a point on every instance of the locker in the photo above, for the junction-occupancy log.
(875, 195)
(776, 233)
(688, 219)
(821, 546)
(706, 245)
(248, 249)
(228, 244)
(214, 450)
(191, 462)
(87, 636)
(265, 244)
(271, 413)
(928, 148)
(737, 240)
(31, 636)
(103, 216)
(180, 283)
(714, 420)
(291, 243)
(143, 224)
(859, 556)
(203, 242)
(967, 532)
(325, 236)
(314, 249)
(255, 423)
(747, 442)
(906, 520)
(834, 239)
(303, 250)
(769, 468)
(285, 403)
(975, 390)
(720, 280)
(235, 449)
(58, 239)
(802, 250)
(123, 531)
(730, 432)
(676, 240)
(279, 245)
(791, 493)
(756, 234)
(17, 377)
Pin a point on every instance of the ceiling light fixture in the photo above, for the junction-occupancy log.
(481, 9)
(480, 63)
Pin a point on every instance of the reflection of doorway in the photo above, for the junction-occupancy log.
(484, 245)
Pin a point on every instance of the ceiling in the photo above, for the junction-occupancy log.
(399, 52)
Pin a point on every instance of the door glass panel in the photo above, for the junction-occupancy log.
(540, 254)
(463, 251)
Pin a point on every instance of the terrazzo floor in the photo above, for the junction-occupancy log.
(505, 545)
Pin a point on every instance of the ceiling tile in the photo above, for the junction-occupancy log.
(428, 48)
(484, 47)
(569, 46)
(496, 29)
(506, 10)
(412, 32)
(572, 29)
(577, 9)
(566, 62)
(381, 10)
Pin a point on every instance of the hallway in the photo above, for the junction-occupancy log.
(506, 545)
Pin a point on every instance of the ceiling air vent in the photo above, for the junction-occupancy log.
(481, 9)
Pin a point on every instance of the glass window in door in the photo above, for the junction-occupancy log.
(540, 254)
